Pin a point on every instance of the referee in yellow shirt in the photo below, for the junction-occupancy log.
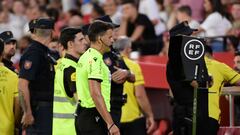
(137, 103)
(221, 74)
(9, 103)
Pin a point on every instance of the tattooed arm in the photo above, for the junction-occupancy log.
(24, 98)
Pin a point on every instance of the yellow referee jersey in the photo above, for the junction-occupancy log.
(221, 74)
(129, 89)
(8, 91)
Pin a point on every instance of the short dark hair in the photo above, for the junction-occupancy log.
(185, 9)
(98, 28)
(68, 34)
(1, 47)
(132, 2)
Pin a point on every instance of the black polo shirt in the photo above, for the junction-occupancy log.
(112, 59)
(37, 66)
(69, 82)
(142, 20)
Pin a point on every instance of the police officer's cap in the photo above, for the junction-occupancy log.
(106, 18)
(43, 23)
(31, 25)
(182, 29)
(7, 36)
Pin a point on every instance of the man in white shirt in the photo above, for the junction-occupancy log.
(150, 9)
(184, 13)
(111, 8)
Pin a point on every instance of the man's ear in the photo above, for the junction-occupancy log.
(69, 44)
(99, 40)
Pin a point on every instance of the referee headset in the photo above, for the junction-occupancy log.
(103, 43)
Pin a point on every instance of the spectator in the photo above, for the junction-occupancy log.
(32, 13)
(75, 20)
(184, 13)
(111, 8)
(196, 6)
(151, 10)
(138, 27)
(5, 18)
(216, 23)
(9, 102)
(18, 19)
(235, 30)
(162, 11)
(97, 11)
(137, 103)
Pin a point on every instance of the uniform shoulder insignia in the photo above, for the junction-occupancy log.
(27, 64)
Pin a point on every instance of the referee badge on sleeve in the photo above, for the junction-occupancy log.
(73, 77)
(27, 64)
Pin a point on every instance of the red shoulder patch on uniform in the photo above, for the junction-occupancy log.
(27, 64)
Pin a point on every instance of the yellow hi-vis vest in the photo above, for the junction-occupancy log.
(63, 106)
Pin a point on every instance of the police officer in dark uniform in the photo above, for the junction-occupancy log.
(120, 73)
(36, 80)
(9, 49)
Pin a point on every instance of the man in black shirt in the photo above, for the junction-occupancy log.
(9, 49)
(36, 80)
(139, 28)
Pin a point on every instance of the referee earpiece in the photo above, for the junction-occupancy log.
(103, 42)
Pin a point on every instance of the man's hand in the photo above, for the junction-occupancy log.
(120, 76)
(151, 125)
(125, 17)
(194, 84)
(113, 130)
(27, 120)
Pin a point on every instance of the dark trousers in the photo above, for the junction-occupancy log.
(116, 116)
(182, 121)
(213, 126)
(136, 127)
(89, 122)
(43, 114)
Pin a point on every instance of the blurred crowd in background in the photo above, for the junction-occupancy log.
(146, 23)
(218, 21)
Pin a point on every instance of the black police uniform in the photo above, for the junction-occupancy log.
(37, 66)
(112, 59)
